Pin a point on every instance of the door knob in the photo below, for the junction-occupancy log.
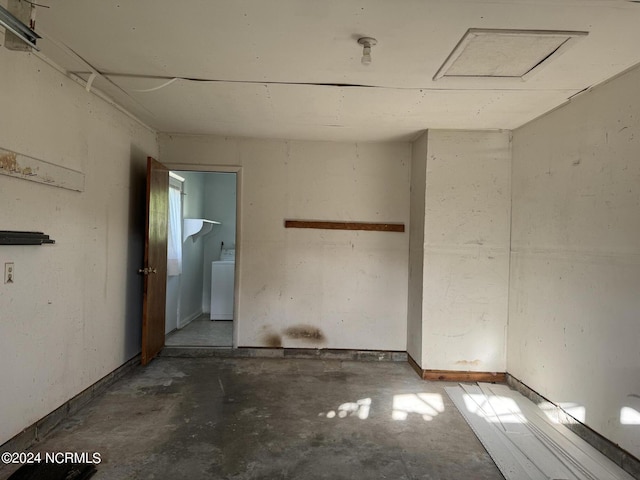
(147, 270)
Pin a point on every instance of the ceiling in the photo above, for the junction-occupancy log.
(292, 69)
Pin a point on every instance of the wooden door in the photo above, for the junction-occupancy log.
(155, 260)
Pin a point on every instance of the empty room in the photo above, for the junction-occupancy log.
(315, 239)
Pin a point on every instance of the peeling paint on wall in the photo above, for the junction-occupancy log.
(8, 162)
(28, 168)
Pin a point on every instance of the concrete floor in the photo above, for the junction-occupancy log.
(202, 332)
(250, 418)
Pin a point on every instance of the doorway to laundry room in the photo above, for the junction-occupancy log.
(200, 304)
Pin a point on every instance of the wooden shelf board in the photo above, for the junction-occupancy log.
(324, 225)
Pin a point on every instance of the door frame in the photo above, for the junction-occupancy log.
(237, 169)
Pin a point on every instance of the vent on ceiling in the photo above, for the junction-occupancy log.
(517, 54)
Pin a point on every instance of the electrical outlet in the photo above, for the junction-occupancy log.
(8, 272)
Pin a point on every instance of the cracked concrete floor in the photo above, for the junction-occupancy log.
(250, 418)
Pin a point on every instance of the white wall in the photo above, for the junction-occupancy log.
(351, 286)
(219, 205)
(416, 247)
(73, 313)
(466, 251)
(574, 300)
(172, 304)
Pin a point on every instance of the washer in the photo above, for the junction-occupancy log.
(222, 282)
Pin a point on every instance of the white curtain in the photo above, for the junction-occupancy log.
(174, 244)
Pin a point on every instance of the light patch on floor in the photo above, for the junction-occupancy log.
(358, 409)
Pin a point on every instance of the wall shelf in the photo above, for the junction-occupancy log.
(197, 227)
(23, 238)
(324, 225)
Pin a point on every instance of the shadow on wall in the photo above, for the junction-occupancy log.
(135, 252)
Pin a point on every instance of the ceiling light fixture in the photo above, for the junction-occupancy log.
(367, 43)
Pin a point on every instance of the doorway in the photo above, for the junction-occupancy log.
(201, 260)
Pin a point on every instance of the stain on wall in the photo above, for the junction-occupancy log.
(270, 337)
(8, 162)
(469, 363)
(272, 340)
(308, 333)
